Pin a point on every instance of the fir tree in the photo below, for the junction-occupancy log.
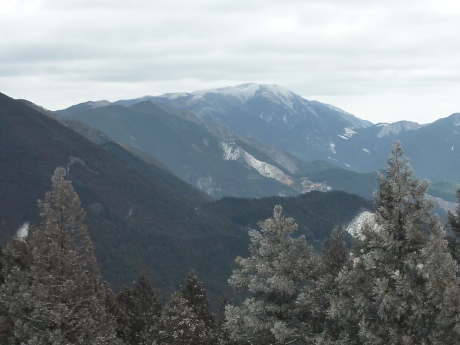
(52, 291)
(402, 287)
(278, 268)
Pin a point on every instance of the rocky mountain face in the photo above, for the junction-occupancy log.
(269, 114)
(311, 130)
(210, 156)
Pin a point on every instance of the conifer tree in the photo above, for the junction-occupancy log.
(402, 287)
(139, 314)
(453, 225)
(195, 294)
(278, 268)
(57, 298)
(181, 326)
(314, 300)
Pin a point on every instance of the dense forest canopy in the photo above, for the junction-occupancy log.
(398, 285)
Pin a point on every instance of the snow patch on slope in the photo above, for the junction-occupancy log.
(396, 128)
(231, 151)
(349, 132)
(332, 147)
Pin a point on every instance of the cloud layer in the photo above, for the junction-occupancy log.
(383, 61)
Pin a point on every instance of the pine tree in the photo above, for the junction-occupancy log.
(56, 297)
(277, 270)
(402, 287)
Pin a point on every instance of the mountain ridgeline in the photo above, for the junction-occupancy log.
(312, 130)
(212, 157)
(139, 215)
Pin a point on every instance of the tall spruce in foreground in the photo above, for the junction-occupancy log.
(402, 288)
(57, 297)
(278, 269)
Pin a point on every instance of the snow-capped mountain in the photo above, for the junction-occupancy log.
(273, 116)
(270, 114)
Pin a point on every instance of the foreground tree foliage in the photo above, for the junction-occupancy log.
(52, 293)
(399, 285)
(138, 313)
(275, 275)
(402, 287)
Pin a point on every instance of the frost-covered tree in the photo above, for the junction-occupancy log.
(314, 300)
(453, 225)
(275, 274)
(52, 290)
(402, 287)
(181, 326)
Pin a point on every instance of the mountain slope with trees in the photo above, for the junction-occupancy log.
(213, 158)
(139, 215)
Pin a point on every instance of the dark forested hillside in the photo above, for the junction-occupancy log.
(140, 216)
(317, 213)
(137, 220)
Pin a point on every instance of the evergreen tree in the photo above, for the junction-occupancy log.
(314, 300)
(453, 224)
(53, 292)
(181, 326)
(4, 327)
(195, 294)
(402, 287)
(138, 313)
(275, 274)
(454, 218)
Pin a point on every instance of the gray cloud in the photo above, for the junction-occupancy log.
(382, 61)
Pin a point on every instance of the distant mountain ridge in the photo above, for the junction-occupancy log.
(210, 156)
(269, 114)
(310, 130)
(139, 215)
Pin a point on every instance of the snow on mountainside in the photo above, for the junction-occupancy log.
(203, 102)
(234, 152)
(396, 128)
(309, 130)
(269, 114)
(231, 151)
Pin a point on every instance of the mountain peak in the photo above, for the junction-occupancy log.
(247, 91)
(396, 127)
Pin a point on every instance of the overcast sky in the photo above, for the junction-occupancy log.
(383, 60)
